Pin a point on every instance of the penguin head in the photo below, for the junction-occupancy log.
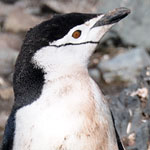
(66, 40)
(72, 38)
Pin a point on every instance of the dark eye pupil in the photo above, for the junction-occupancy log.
(76, 34)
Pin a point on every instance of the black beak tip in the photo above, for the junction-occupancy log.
(120, 12)
(113, 16)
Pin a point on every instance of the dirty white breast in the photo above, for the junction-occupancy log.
(70, 114)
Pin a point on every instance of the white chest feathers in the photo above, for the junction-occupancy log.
(71, 114)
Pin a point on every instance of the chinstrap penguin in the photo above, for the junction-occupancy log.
(57, 105)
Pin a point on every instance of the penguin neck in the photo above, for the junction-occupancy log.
(61, 71)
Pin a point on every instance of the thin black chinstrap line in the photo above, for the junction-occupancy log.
(61, 45)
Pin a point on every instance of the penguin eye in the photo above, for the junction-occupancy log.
(76, 34)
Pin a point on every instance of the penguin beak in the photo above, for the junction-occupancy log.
(112, 17)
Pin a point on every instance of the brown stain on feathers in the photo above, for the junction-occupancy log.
(94, 131)
(65, 90)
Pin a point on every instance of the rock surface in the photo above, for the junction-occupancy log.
(95, 74)
(15, 23)
(7, 60)
(9, 1)
(6, 101)
(5, 9)
(125, 66)
(10, 40)
(72, 5)
(133, 30)
(132, 114)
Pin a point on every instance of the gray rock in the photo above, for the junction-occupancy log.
(6, 9)
(134, 29)
(125, 66)
(9, 1)
(95, 74)
(6, 102)
(3, 119)
(10, 40)
(7, 60)
(6, 93)
(142, 137)
(72, 5)
(132, 124)
(19, 20)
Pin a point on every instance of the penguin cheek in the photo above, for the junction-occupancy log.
(98, 32)
(91, 48)
(86, 51)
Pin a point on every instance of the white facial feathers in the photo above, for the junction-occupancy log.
(85, 31)
(69, 51)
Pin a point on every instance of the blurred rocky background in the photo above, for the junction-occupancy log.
(120, 64)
